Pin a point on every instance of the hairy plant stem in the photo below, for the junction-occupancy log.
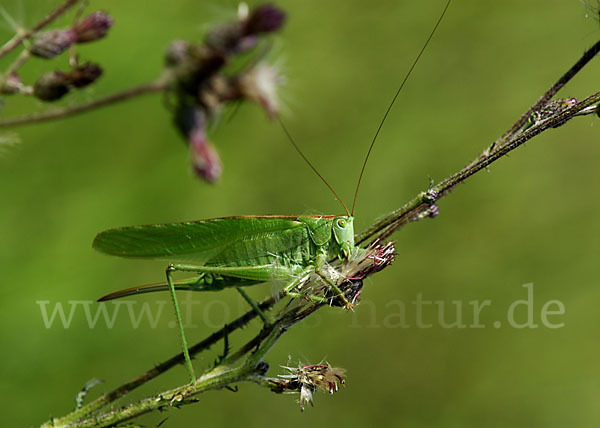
(252, 369)
(157, 85)
(23, 35)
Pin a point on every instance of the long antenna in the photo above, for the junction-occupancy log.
(311, 165)
(389, 108)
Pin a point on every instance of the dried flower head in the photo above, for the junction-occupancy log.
(93, 27)
(308, 379)
(51, 86)
(48, 44)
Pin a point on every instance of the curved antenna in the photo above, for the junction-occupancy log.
(389, 108)
(311, 165)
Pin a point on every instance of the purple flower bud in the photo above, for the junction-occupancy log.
(205, 159)
(48, 44)
(84, 74)
(191, 121)
(51, 86)
(264, 19)
(92, 27)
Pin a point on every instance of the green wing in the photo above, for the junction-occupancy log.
(233, 241)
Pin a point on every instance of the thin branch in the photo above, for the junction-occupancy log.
(161, 368)
(158, 85)
(560, 83)
(19, 38)
(423, 205)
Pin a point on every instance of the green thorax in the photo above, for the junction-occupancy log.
(335, 235)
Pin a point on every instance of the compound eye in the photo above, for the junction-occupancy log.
(341, 222)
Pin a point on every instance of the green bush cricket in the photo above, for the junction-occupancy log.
(247, 250)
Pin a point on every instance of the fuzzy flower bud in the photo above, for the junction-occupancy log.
(264, 19)
(48, 44)
(85, 74)
(51, 86)
(92, 27)
(260, 84)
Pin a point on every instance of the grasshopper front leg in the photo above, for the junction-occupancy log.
(320, 262)
(317, 269)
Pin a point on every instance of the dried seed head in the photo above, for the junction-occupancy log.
(48, 44)
(51, 86)
(264, 19)
(85, 74)
(93, 27)
(306, 394)
(260, 85)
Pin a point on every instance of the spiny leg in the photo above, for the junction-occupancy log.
(184, 346)
(294, 283)
(266, 320)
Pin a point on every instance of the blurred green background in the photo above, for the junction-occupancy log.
(531, 219)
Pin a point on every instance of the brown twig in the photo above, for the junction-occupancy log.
(158, 85)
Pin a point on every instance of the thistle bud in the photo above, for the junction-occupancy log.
(48, 44)
(264, 19)
(92, 27)
(85, 74)
(51, 86)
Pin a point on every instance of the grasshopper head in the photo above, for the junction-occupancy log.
(343, 231)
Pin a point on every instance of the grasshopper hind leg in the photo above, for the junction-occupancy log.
(186, 353)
